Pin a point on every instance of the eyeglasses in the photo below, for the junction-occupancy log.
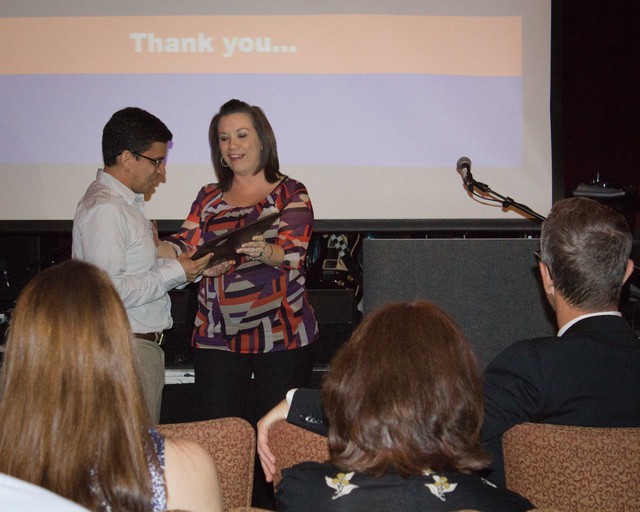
(537, 256)
(156, 161)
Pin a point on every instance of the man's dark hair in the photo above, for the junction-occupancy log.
(131, 129)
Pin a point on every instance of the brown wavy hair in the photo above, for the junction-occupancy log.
(405, 394)
(72, 415)
(269, 155)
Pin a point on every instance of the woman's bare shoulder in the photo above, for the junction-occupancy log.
(191, 477)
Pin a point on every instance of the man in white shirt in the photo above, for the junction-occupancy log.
(111, 231)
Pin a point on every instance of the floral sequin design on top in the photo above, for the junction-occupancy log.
(341, 483)
(440, 485)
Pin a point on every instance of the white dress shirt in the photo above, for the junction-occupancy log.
(20, 496)
(111, 231)
(566, 326)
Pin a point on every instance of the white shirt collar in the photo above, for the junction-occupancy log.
(566, 326)
(115, 184)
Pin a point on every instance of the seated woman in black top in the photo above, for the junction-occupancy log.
(403, 399)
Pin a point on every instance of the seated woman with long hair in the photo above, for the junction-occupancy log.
(72, 416)
(403, 399)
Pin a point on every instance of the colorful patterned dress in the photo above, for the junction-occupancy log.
(253, 308)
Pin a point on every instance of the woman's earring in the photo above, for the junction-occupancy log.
(224, 164)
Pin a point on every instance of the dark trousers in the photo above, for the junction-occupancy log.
(224, 387)
(224, 384)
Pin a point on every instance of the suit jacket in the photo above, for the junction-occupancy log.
(590, 377)
(306, 411)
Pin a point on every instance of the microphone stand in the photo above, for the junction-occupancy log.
(507, 202)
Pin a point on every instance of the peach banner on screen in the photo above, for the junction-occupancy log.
(323, 44)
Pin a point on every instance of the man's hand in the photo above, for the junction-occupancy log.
(194, 268)
(166, 250)
(267, 459)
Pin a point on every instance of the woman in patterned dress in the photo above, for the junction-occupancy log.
(254, 321)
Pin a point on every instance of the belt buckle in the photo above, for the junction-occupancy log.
(159, 338)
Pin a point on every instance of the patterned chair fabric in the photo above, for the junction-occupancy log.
(574, 469)
(292, 445)
(232, 443)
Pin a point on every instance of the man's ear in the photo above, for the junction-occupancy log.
(630, 268)
(125, 157)
(547, 281)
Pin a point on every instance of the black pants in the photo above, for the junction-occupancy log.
(224, 387)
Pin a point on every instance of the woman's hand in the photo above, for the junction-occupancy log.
(219, 269)
(257, 250)
(267, 458)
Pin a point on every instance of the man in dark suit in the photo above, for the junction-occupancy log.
(589, 375)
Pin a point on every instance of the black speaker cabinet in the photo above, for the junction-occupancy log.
(337, 315)
(491, 287)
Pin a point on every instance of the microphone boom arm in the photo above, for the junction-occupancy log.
(506, 201)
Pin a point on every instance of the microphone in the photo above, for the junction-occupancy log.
(463, 167)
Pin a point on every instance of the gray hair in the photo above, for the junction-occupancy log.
(586, 246)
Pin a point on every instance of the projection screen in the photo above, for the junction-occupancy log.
(372, 102)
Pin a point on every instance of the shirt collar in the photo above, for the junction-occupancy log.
(117, 186)
(566, 326)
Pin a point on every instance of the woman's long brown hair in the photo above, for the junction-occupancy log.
(72, 418)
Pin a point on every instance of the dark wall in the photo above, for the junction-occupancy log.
(596, 123)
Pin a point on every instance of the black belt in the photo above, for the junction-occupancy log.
(156, 337)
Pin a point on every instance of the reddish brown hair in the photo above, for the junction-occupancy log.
(405, 394)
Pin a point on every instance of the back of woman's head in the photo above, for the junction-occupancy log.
(70, 400)
(405, 394)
